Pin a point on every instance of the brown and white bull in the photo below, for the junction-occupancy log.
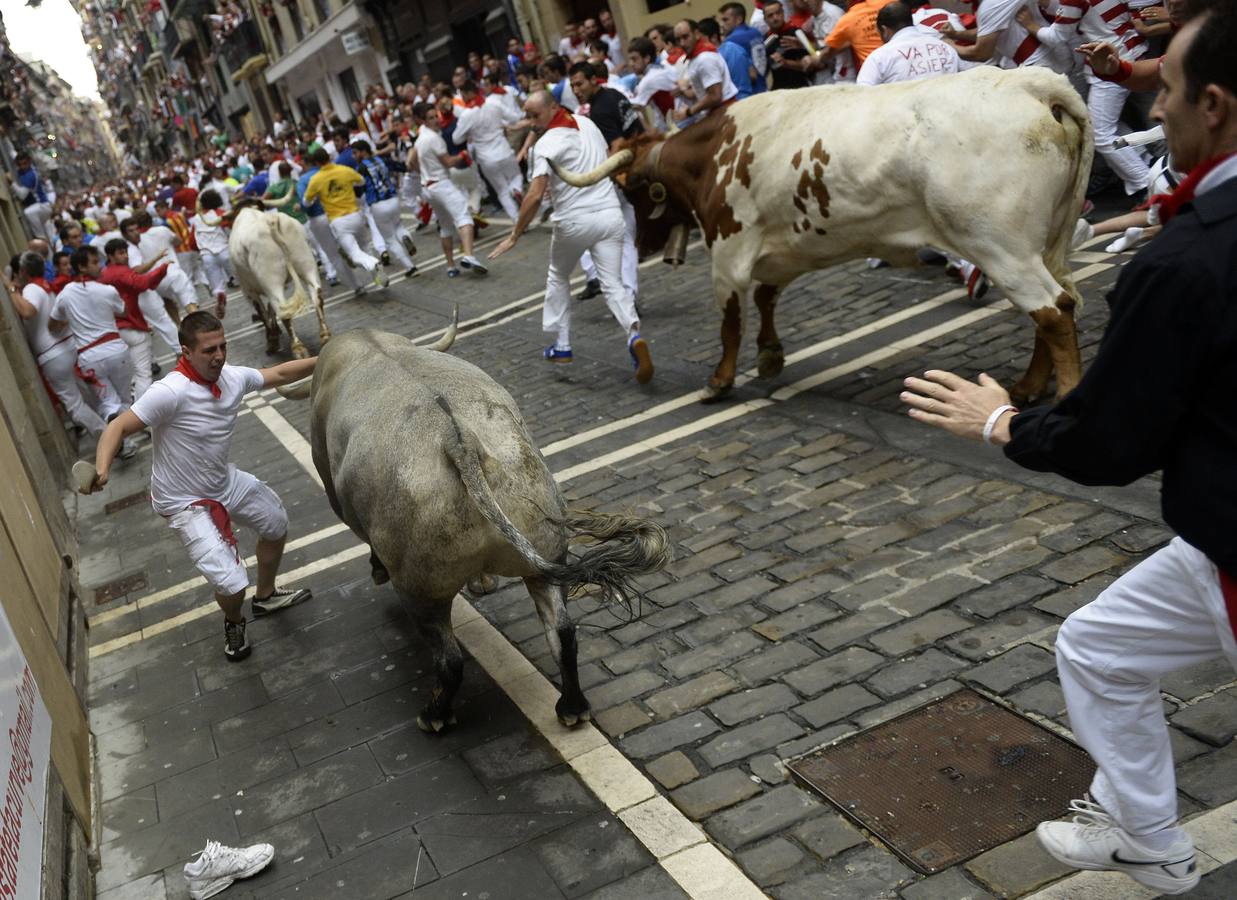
(427, 460)
(267, 251)
(989, 164)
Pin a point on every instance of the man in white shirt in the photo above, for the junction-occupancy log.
(449, 202)
(999, 37)
(154, 241)
(484, 128)
(192, 412)
(908, 54)
(55, 354)
(151, 302)
(657, 83)
(587, 217)
(707, 72)
(90, 310)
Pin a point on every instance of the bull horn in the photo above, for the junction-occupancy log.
(443, 344)
(657, 211)
(612, 164)
(298, 390)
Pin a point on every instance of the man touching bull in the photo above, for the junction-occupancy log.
(192, 412)
(586, 217)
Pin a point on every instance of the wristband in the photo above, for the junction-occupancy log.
(1125, 69)
(992, 420)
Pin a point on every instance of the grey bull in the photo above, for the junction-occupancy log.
(427, 459)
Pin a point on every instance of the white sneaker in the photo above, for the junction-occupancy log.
(218, 866)
(380, 277)
(473, 264)
(1083, 232)
(1094, 841)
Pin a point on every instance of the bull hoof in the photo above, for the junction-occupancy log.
(770, 361)
(299, 351)
(432, 725)
(380, 575)
(571, 714)
(481, 585)
(272, 346)
(713, 391)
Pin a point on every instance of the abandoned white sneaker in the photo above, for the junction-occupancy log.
(1094, 841)
(218, 866)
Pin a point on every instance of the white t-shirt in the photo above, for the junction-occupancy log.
(156, 240)
(707, 69)
(580, 149)
(192, 436)
(482, 127)
(656, 78)
(90, 308)
(1012, 47)
(210, 238)
(843, 63)
(936, 19)
(40, 338)
(909, 56)
(430, 147)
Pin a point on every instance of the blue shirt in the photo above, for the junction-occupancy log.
(346, 158)
(30, 179)
(314, 209)
(257, 184)
(379, 184)
(746, 41)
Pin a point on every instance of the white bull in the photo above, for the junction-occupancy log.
(989, 164)
(267, 251)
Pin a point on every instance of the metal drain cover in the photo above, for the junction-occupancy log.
(947, 781)
(125, 502)
(106, 593)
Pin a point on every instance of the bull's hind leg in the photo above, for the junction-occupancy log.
(769, 356)
(324, 333)
(433, 620)
(298, 349)
(560, 632)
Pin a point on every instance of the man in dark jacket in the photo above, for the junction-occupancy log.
(1159, 396)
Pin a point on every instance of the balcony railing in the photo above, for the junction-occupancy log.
(242, 46)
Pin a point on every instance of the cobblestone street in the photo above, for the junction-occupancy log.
(836, 565)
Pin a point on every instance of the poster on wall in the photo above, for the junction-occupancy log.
(25, 750)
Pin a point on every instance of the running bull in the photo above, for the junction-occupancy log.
(989, 164)
(427, 460)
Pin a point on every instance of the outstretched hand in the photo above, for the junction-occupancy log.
(959, 406)
(506, 244)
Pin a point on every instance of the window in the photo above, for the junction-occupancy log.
(352, 91)
(323, 10)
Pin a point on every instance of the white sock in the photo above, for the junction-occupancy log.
(1158, 841)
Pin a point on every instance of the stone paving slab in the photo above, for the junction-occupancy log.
(836, 565)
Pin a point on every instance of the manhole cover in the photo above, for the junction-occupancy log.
(947, 781)
(126, 502)
(118, 588)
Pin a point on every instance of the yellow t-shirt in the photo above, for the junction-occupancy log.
(333, 186)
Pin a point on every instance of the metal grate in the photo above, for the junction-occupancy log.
(105, 593)
(125, 502)
(947, 781)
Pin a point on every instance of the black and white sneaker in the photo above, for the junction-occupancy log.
(279, 599)
(235, 644)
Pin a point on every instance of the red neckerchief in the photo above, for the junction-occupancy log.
(702, 46)
(562, 119)
(498, 89)
(184, 368)
(41, 282)
(1170, 204)
(673, 55)
(475, 102)
(445, 120)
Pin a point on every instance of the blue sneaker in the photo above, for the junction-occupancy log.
(555, 355)
(453, 272)
(641, 359)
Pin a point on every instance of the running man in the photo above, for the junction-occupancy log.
(585, 218)
(192, 412)
(450, 204)
(336, 186)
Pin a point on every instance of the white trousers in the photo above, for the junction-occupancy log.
(58, 367)
(375, 235)
(349, 231)
(157, 318)
(39, 215)
(503, 174)
(177, 287)
(601, 233)
(191, 262)
(1165, 614)
(386, 217)
(1104, 101)
(319, 253)
(450, 205)
(111, 370)
(218, 269)
(141, 352)
(631, 259)
(467, 181)
(320, 228)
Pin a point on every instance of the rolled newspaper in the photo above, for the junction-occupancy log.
(1139, 138)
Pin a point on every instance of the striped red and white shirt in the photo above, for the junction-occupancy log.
(1095, 20)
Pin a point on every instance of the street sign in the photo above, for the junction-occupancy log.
(355, 41)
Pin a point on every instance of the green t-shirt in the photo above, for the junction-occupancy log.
(281, 188)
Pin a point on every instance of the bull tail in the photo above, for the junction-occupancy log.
(295, 305)
(623, 546)
(1071, 112)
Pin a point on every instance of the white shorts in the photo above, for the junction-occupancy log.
(253, 505)
(450, 205)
